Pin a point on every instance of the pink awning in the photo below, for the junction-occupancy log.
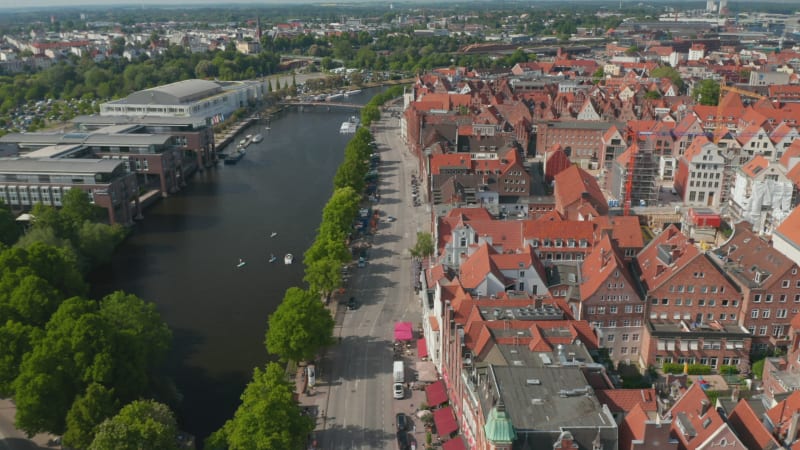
(435, 393)
(403, 331)
(422, 348)
(445, 421)
(454, 444)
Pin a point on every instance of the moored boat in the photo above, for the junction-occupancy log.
(272, 258)
(257, 138)
(241, 263)
(235, 157)
(288, 259)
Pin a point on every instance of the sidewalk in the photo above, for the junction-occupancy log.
(13, 439)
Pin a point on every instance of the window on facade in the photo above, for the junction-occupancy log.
(782, 298)
(612, 309)
(628, 309)
(640, 308)
(623, 350)
(678, 302)
(751, 329)
(724, 303)
(768, 298)
(785, 284)
(781, 314)
(688, 302)
(701, 302)
(654, 301)
(757, 298)
(722, 316)
(762, 330)
(690, 288)
(665, 301)
(754, 314)
(765, 314)
(612, 323)
(610, 338)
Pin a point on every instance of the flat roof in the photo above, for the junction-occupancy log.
(45, 166)
(547, 399)
(52, 151)
(93, 138)
(95, 119)
(714, 330)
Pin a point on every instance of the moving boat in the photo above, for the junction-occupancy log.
(257, 138)
(241, 263)
(288, 259)
(272, 258)
(274, 233)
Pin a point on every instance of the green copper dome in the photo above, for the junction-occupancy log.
(498, 426)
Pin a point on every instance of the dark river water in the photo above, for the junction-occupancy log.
(183, 256)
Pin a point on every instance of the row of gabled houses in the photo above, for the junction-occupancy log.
(519, 365)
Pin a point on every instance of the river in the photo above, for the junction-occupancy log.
(183, 256)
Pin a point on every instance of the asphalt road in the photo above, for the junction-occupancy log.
(13, 439)
(360, 411)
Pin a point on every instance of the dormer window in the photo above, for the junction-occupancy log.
(535, 243)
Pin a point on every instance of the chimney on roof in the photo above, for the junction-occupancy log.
(704, 407)
(791, 435)
(537, 303)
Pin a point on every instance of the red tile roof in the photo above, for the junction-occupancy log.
(688, 411)
(633, 427)
(571, 185)
(599, 265)
(753, 167)
(625, 230)
(478, 266)
(655, 271)
(790, 227)
(749, 427)
(460, 160)
(781, 414)
(793, 151)
(624, 400)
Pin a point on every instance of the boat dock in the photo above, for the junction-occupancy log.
(229, 135)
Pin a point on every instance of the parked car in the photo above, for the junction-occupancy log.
(402, 422)
(352, 304)
(398, 391)
(362, 262)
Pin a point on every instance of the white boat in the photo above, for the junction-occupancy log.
(288, 259)
(334, 97)
(353, 92)
(241, 263)
(350, 126)
(272, 258)
(257, 138)
(274, 233)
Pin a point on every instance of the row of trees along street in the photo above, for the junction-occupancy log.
(76, 366)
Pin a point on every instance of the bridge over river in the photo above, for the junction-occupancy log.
(323, 104)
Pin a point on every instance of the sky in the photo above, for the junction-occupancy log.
(28, 4)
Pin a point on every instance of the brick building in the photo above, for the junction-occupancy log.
(769, 284)
(610, 301)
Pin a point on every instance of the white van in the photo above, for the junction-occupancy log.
(399, 372)
(312, 375)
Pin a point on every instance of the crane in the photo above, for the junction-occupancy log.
(724, 88)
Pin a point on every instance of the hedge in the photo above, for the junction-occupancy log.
(694, 369)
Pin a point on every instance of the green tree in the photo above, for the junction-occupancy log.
(142, 424)
(706, 92)
(670, 73)
(341, 209)
(324, 276)
(268, 418)
(424, 246)
(97, 241)
(88, 411)
(16, 340)
(300, 327)
(10, 230)
(652, 95)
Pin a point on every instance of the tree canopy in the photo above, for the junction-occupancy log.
(424, 246)
(142, 424)
(300, 327)
(116, 343)
(706, 92)
(268, 418)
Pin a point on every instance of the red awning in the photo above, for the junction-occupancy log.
(422, 348)
(454, 444)
(403, 331)
(435, 393)
(445, 421)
